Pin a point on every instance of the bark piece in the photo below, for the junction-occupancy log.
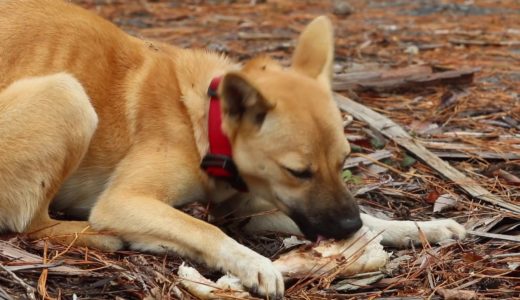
(408, 77)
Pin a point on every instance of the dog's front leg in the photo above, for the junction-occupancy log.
(402, 233)
(149, 224)
(136, 208)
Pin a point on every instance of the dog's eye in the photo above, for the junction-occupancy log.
(301, 174)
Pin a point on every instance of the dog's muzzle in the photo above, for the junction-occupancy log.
(335, 224)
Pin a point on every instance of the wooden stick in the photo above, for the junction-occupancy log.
(477, 151)
(354, 161)
(483, 154)
(4, 295)
(32, 267)
(393, 131)
(15, 253)
(495, 236)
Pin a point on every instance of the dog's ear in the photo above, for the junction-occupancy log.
(242, 101)
(314, 53)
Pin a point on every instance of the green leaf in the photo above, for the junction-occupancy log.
(377, 143)
(355, 148)
(347, 175)
(407, 161)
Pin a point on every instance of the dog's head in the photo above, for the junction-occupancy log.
(287, 135)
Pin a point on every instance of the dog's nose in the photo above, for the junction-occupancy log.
(338, 223)
(349, 226)
(340, 228)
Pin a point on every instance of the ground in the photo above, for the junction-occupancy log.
(471, 121)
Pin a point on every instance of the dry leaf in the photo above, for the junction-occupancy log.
(471, 257)
(356, 283)
(432, 196)
(443, 202)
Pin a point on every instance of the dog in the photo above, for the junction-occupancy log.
(120, 131)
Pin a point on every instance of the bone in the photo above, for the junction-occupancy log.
(203, 288)
(360, 253)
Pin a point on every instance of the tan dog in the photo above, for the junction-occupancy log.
(102, 125)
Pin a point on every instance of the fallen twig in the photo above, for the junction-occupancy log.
(4, 295)
(495, 236)
(484, 43)
(480, 154)
(32, 267)
(20, 255)
(460, 148)
(355, 161)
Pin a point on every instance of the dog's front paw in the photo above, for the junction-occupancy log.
(441, 230)
(404, 233)
(261, 277)
(256, 272)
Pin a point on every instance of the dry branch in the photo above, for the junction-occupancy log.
(495, 236)
(480, 154)
(355, 161)
(34, 261)
(408, 77)
(393, 131)
(4, 295)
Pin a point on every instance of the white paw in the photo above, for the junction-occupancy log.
(403, 233)
(256, 272)
(441, 230)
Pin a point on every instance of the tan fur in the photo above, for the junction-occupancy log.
(101, 125)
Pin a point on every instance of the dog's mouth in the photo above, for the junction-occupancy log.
(320, 238)
(336, 224)
(326, 228)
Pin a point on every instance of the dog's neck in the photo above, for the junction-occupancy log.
(195, 70)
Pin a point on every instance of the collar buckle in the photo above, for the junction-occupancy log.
(223, 167)
(213, 87)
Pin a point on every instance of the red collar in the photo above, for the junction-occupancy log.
(218, 162)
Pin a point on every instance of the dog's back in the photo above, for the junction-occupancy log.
(42, 37)
(45, 37)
